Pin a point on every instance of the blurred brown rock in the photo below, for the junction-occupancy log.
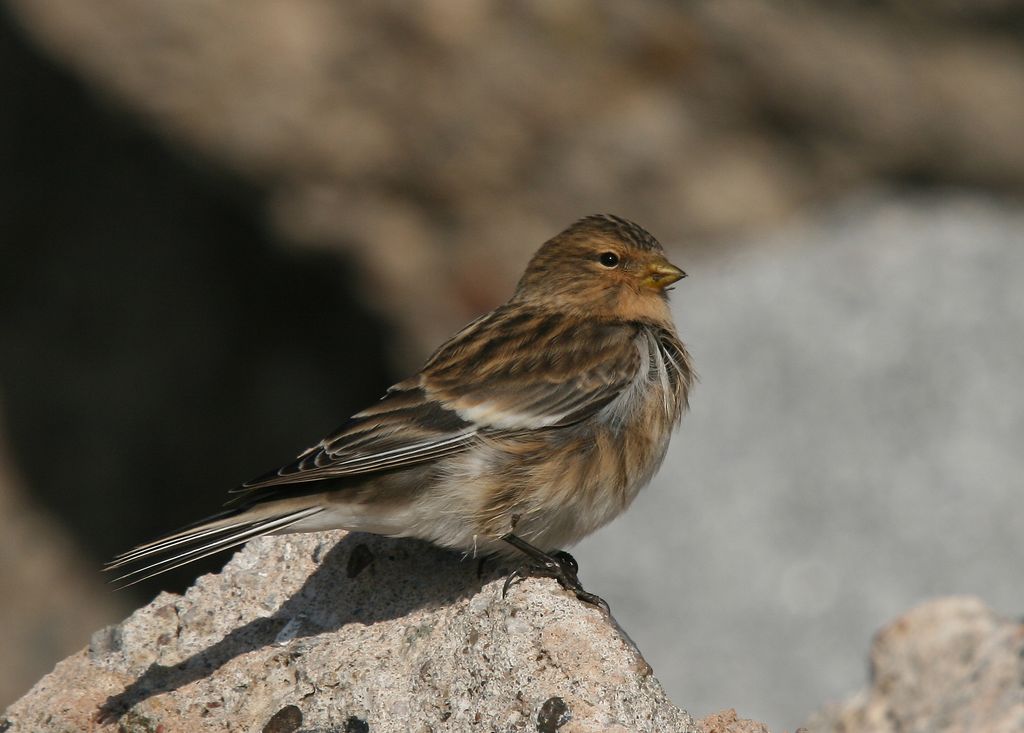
(290, 635)
(948, 666)
(440, 143)
(53, 599)
(727, 721)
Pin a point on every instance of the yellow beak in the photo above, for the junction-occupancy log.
(662, 274)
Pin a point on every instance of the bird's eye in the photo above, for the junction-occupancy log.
(609, 259)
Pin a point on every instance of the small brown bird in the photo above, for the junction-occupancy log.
(529, 429)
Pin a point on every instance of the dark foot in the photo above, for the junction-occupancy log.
(559, 565)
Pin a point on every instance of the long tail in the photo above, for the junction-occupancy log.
(210, 536)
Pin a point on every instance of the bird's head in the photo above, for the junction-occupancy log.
(602, 265)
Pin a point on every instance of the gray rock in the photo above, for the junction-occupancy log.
(854, 448)
(289, 637)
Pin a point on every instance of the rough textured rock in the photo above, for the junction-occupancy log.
(728, 721)
(354, 632)
(949, 666)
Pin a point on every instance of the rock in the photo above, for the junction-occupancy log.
(728, 721)
(439, 144)
(178, 294)
(294, 634)
(52, 599)
(853, 449)
(436, 148)
(947, 666)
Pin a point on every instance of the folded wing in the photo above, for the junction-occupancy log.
(513, 370)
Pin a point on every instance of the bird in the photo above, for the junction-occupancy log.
(530, 428)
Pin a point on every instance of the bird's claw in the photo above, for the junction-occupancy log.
(562, 567)
(512, 577)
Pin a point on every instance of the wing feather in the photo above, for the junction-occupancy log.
(379, 438)
(527, 373)
(513, 370)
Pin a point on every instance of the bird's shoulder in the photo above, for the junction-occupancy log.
(528, 368)
(533, 342)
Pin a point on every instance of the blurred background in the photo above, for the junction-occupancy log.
(226, 226)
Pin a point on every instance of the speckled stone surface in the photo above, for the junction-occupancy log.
(354, 632)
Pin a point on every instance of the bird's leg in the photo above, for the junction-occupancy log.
(559, 565)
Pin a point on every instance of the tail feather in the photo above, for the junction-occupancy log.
(166, 543)
(202, 540)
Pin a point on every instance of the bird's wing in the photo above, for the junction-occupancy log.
(510, 370)
(528, 370)
(405, 427)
